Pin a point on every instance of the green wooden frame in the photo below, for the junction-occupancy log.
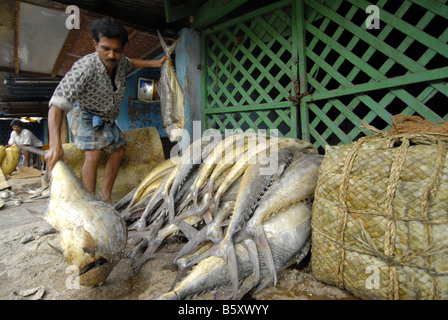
(341, 73)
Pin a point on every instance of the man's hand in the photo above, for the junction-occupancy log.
(53, 155)
(56, 152)
(165, 58)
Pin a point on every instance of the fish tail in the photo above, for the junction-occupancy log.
(171, 207)
(267, 255)
(162, 41)
(202, 256)
(168, 296)
(232, 267)
(251, 247)
(192, 244)
(168, 49)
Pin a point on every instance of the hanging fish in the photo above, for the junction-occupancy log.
(171, 96)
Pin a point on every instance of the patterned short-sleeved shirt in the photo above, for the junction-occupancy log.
(89, 85)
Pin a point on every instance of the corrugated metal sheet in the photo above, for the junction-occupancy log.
(7, 33)
(39, 41)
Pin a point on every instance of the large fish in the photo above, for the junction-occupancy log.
(171, 96)
(287, 233)
(92, 234)
(297, 183)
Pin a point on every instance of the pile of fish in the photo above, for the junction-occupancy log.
(243, 203)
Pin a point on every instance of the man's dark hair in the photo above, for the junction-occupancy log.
(17, 122)
(108, 28)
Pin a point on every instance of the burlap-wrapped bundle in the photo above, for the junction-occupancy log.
(380, 217)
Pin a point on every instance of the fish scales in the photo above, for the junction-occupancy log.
(251, 188)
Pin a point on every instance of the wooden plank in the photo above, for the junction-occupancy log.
(179, 12)
(386, 49)
(330, 124)
(388, 83)
(433, 6)
(248, 16)
(408, 29)
(213, 10)
(265, 106)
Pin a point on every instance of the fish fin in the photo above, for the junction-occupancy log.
(267, 254)
(207, 216)
(264, 283)
(141, 261)
(188, 230)
(137, 251)
(153, 246)
(232, 267)
(251, 247)
(55, 249)
(162, 41)
(174, 45)
(194, 195)
(89, 244)
(210, 252)
(192, 243)
(181, 273)
(171, 207)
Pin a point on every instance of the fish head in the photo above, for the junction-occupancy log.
(93, 253)
(93, 235)
(96, 272)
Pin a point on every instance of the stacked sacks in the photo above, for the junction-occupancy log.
(380, 217)
(9, 159)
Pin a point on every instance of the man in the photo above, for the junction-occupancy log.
(23, 137)
(92, 92)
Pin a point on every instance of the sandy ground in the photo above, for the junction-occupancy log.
(34, 270)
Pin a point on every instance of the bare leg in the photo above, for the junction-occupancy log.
(111, 172)
(27, 158)
(92, 158)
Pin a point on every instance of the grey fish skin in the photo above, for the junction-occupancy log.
(252, 186)
(297, 183)
(93, 235)
(171, 96)
(190, 160)
(287, 232)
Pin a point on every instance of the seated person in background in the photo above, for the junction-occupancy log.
(23, 137)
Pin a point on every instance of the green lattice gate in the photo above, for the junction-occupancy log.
(251, 67)
(322, 53)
